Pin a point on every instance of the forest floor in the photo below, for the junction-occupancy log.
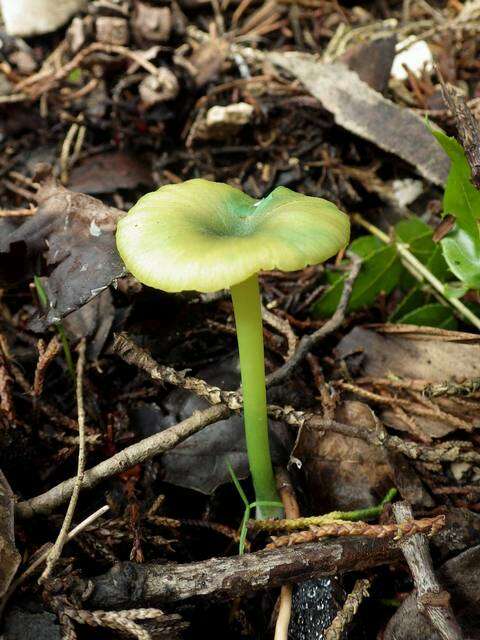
(375, 412)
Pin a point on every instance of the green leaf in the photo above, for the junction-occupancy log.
(461, 199)
(365, 246)
(455, 290)
(431, 315)
(462, 254)
(415, 298)
(380, 272)
(461, 248)
(418, 235)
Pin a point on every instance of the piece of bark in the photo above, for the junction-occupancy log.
(365, 112)
(432, 599)
(136, 585)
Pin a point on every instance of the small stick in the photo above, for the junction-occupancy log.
(40, 559)
(307, 343)
(46, 356)
(342, 528)
(57, 548)
(292, 511)
(432, 599)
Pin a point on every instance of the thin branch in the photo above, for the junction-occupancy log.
(345, 528)
(57, 548)
(41, 558)
(130, 584)
(307, 343)
(292, 511)
(431, 597)
(125, 459)
(224, 402)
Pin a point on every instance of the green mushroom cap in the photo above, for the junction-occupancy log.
(205, 236)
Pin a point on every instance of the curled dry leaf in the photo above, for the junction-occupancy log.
(341, 472)
(74, 232)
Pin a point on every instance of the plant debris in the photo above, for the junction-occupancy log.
(371, 358)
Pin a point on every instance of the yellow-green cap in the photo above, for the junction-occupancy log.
(205, 236)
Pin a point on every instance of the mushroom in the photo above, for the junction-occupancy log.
(207, 236)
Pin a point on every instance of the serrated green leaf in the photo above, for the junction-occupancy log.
(431, 315)
(379, 273)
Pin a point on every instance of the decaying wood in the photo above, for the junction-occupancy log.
(431, 597)
(134, 585)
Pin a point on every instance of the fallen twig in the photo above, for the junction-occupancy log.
(307, 343)
(46, 356)
(292, 511)
(130, 584)
(431, 597)
(126, 459)
(57, 548)
(224, 402)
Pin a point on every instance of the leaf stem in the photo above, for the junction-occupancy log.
(419, 270)
(248, 318)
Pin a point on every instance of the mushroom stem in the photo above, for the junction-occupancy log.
(248, 319)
